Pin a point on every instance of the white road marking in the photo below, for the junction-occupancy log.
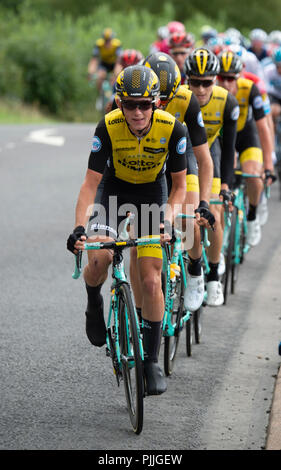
(44, 136)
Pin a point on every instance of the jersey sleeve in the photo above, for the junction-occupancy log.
(177, 148)
(195, 124)
(256, 101)
(101, 148)
(228, 138)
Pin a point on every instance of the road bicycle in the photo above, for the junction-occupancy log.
(174, 284)
(235, 232)
(278, 152)
(123, 337)
(105, 94)
(176, 316)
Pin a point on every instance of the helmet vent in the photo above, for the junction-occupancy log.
(163, 77)
(136, 77)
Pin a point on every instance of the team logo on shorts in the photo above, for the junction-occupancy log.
(96, 146)
(177, 115)
(181, 147)
(258, 102)
(163, 140)
(235, 113)
(200, 119)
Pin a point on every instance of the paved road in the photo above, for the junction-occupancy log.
(58, 392)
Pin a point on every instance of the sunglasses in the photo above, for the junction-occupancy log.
(132, 105)
(179, 53)
(197, 83)
(228, 78)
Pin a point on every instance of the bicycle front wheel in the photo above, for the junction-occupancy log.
(132, 370)
(230, 255)
(171, 342)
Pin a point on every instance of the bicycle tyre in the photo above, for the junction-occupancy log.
(229, 255)
(132, 364)
(188, 337)
(197, 324)
(235, 267)
(171, 342)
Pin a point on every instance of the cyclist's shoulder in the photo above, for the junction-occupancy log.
(100, 42)
(163, 117)
(116, 42)
(219, 94)
(183, 90)
(244, 83)
(114, 117)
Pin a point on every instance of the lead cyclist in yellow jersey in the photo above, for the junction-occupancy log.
(126, 171)
(254, 142)
(220, 112)
(104, 56)
(179, 101)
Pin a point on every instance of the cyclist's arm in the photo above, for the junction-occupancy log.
(101, 149)
(228, 140)
(256, 102)
(86, 197)
(177, 156)
(93, 65)
(194, 121)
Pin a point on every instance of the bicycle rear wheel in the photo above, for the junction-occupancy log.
(132, 367)
(230, 255)
(171, 342)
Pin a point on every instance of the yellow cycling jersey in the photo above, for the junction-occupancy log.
(108, 54)
(139, 160)
(180, 102)
(213, 113)
(244, 89)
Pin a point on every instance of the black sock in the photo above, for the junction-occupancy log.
(151, 339)
(252, 212)
(94, 297)
(194, 266)
(213, 274)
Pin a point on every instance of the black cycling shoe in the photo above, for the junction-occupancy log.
(155, 382)
(95, 326)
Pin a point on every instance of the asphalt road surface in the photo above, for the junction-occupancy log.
(58, 391)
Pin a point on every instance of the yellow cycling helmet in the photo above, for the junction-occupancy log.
(202, 62)
(137, 81)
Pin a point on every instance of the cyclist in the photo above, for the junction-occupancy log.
(127, 162)
(254, 141)
(180, 45)
(105, 53)
(258, 38)
(220, 113)
(179, 101)
(273, 83)
(161, 44)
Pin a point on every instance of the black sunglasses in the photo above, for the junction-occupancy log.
(179, 53)
(228, 78)
(197, 83)
(132, 105)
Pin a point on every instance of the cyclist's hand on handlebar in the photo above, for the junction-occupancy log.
(269, 177)
(167, 232)
(76, 239)
(227, 197)
(204, 216)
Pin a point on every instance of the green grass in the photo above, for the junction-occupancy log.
(14, 112)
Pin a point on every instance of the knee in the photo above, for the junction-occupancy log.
(151, 283)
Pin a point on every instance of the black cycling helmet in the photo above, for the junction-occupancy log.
(167, 71)
(230, 62)
(137, 81)
(201, 62)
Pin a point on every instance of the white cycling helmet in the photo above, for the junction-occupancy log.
(258, 34)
